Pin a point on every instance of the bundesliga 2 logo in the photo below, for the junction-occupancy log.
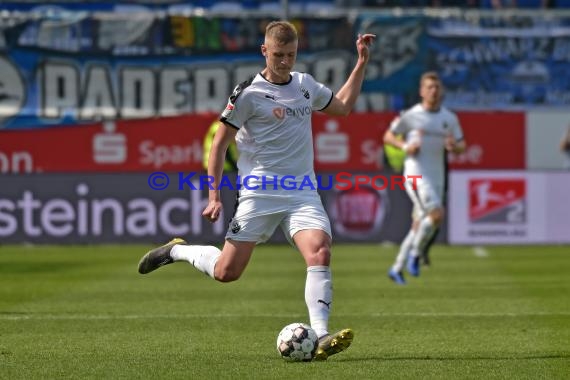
(493, 200)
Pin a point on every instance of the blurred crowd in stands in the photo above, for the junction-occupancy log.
(484, 4)
(324, 4)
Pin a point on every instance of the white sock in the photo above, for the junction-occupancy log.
(318, 296)
(405, 248)
(203, 257)
(423, 233)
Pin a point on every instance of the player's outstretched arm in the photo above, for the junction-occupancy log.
(344, 100)
(224, 136)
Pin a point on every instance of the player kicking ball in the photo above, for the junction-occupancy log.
(269, 117)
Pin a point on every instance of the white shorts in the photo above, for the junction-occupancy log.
(426, 196)
(257, 217)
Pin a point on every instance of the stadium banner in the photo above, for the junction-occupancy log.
(501, 62)
(545, 131)
(352, 143)
(397, 58)
(66, 66)
(154, 207)
(509, 207)
(69, 68)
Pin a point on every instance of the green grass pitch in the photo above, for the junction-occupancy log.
(83, 312)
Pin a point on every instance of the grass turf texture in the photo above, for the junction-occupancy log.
(85, 313)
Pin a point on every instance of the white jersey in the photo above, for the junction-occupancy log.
(429, 129)
(274, 135)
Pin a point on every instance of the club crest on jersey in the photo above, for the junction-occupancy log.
(305, 93)
(235, 227)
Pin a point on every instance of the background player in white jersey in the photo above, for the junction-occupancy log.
(269, 116)
(430, 131)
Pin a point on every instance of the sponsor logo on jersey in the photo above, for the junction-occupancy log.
(281, 112)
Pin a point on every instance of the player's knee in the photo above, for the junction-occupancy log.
(437, 216)
(225, 274)
(321, 256)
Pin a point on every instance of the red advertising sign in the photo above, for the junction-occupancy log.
(495, 141)
(165, 144)
(350, 143)
(353, 143)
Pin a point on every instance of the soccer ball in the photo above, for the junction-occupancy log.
(297, 342)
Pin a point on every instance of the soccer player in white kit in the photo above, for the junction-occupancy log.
(269, 116)
(430, 131)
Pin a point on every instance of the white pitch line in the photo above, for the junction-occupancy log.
(480, 252)
(55, 317)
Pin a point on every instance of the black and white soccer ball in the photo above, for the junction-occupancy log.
(297, 342)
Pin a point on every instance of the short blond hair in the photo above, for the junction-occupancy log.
(282, 32)
(430, 75)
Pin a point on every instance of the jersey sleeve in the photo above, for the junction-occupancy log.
(456, 129)
(239, 107)
(321, 94)
(399, 126)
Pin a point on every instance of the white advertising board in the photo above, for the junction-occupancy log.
(514, 207)
(544, 132)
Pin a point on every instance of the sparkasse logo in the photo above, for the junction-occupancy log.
(109, 147)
